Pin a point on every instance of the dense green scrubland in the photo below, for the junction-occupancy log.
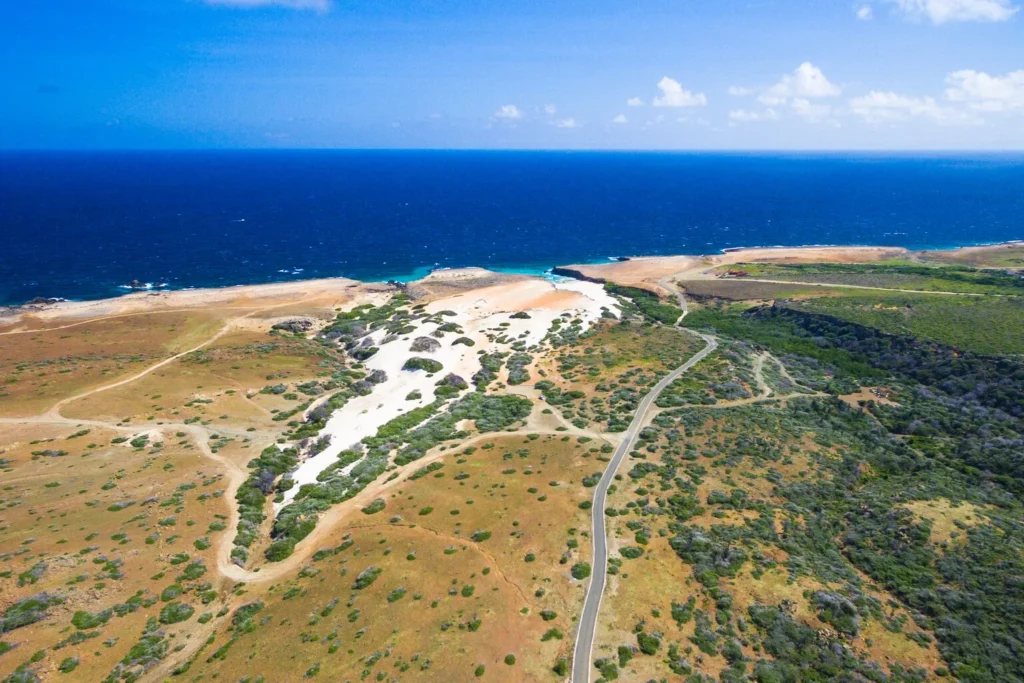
(956, 432)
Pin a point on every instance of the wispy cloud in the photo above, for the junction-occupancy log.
(747, 116)
(621, 118)
(314, 5)
(634, 102)
(947, 11)
(890, 107)
(508, 112)
(567, 123)
(865, 13)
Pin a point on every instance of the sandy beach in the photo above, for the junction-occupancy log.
(636, 270)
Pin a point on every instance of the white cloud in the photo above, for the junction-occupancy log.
(809, 111)
(508, 112)
(737, 91)
(983, 92)
(865, 13)
(807, 81)
(945, 11)
(746, 116)
(634, 102)
(567, 123)
(621, 118)
(890, 107)
(673, 94)
(550, 109)
(316, 5)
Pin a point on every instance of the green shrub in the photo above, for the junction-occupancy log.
(428, 364)
(648, 644)
(366, 577)
(580, 570)
(176, 612)
(86, 620)
(171, 592)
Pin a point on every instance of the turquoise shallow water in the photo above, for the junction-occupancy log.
(81, 225)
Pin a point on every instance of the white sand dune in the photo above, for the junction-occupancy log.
(478, 312)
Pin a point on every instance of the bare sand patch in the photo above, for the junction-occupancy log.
(876, 394)
(653, 272)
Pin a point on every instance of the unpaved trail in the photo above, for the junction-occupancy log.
(762, 386)
(56, 408)
(201, 435)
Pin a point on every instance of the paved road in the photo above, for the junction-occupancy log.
(581, 664)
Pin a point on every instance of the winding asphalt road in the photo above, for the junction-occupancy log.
(587, 626)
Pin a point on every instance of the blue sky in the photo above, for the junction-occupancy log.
(573, 74)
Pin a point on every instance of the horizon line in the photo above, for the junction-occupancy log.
(570, 150)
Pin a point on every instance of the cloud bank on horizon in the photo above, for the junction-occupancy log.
(886, 74)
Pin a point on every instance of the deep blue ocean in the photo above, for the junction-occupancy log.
(80, 225)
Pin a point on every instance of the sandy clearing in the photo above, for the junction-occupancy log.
(652, 271)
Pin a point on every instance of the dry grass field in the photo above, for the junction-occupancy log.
(752, 525)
